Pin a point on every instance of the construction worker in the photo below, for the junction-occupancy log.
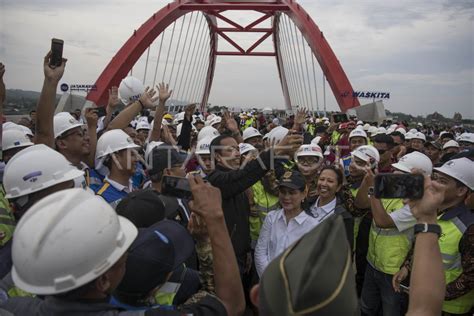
(357, 138)
(116, 158)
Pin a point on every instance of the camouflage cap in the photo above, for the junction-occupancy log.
(314, 276)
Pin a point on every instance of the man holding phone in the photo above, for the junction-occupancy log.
(387, 245)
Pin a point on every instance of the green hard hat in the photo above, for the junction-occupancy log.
(314, 276)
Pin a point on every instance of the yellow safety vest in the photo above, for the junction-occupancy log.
(388, 247)
(452, 232)
(7, 222)
(335, 137)
(264, 203)
(357, 220)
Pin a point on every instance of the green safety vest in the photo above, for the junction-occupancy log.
(452, 232)
(335, 137)
(264, 203)
(388, 248)
(7, 222)
(311, 129)
(167, 293)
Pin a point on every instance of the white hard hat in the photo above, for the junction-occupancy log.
(394, 126)
(366, 127)
(250, 132)
(325, 119)
(245, 148)
(36, 168)
(318, 121)
(202, 147)
(390, 130)
(401, 130)
(207, 131)
(309, 150)
(63, 122)
(143, 125)
(459, 169)
(315, 141)
(358, 133)
(408, 135)
(215, 120)
(360, 123)
(12, 126)
(149, 149)
(372, 130)
(130, 89)
(381, 130)
(8, 125)
(26, 130)
(210, 117)
(419, 124)
(414, 160)
(13, 138)
(451, 144)
(419, 135)
(67, 240)
(413, 131)
(277, 134)
(466, 137)
(366, 153)
(179, 117)
(113, 141)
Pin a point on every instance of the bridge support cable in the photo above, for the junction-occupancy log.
(293, 60)
(146, 64)
(158, 57)
(182, 51)
(292, 88)
(304, 45)
(296, 48)
(168, 53)
(192, 64)
(185, 69)
(193, 78)
(176, 52)
(201, 72)
(315, 83)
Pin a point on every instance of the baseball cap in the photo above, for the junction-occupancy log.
(157, 251)
(459, 169)
(293, 180)
(143, 208)
(311, 277)
(164, 156)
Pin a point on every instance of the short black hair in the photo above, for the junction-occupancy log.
(384, 138)
(216, 142)
(399, 134)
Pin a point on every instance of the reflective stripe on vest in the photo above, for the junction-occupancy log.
(452, 232)
(388, 247)
(264, 203)
(167, 293)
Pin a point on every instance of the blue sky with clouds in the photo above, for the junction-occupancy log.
(420, 51)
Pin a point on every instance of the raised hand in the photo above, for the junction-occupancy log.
(147, 98)
(53, 74)
(113, 99)
(197, 227)
(230, 122)
(300, 117)
(91, 117)
(289, 144)
(164, 92)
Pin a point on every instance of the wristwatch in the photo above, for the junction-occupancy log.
(371, 191)
(428, 228)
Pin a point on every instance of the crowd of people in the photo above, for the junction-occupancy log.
(142, 212)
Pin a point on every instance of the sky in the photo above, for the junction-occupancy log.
(422, 52)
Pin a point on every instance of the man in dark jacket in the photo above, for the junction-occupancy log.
(233, 180)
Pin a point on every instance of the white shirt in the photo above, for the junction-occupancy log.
(276, 235)
(403, 218)
(323, 212)
(119, 186)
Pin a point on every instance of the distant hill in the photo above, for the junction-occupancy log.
(21, 101)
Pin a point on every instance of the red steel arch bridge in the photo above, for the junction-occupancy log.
(179, 45)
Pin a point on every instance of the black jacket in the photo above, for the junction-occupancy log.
(235, 204)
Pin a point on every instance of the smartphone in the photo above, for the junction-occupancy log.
(57, 52)
(340, 118)
(176, 187)
(404, 288)
(399, 186)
